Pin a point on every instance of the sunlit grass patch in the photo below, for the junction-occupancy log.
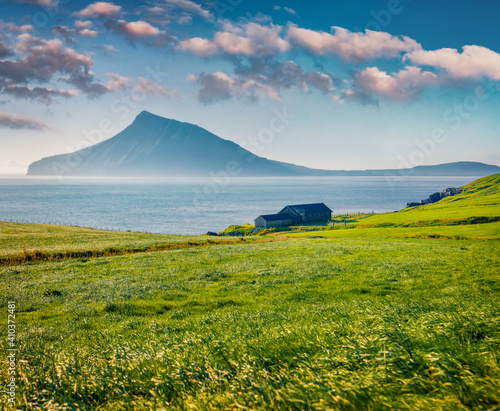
(306, 324)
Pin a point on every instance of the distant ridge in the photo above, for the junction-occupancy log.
(154, 146)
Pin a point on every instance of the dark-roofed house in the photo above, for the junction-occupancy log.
(273, 220)
(295, 214)
(308, 213)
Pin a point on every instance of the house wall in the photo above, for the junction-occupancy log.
(261, 223)
(317, 217)
(279, 223)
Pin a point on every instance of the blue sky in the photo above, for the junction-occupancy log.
(361, 84)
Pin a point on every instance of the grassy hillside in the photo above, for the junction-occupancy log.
(348, 321)
(15, 237)
(21, 242)
(480, 198)
(472, 214)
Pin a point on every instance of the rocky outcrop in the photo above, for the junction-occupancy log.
(434, 198)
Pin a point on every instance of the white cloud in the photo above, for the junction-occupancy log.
(473, 62)
(199, 46)
(268, 39)
(252, 39)
(87, 33)
(403, 85)
(117, 82)
(256, 40)
(100, 9)
(13, 28)
(82, 24)
(139, 29)
(351, 46)
(233, 44)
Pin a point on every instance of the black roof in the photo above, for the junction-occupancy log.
(316, 208)
(276, 217)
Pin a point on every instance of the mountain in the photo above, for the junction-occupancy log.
(153, 146)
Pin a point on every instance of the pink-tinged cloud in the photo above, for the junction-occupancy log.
(19, 122)
(150, 87)
(139, 85)
(350, 46)
(199, 46)
(473, 62)
(403, 85)
(233, 44)
(267, 39)
(100, 9)
(15, 29)
(117, 82)
(140, 29)
(82, 24)
(250, 40)
(53, 51)
(87, 33)
(40, 60)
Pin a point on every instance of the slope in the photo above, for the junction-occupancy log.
(474, 213)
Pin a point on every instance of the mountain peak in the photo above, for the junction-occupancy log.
(148, 116)
(145, 114)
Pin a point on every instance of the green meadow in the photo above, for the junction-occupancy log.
(396, 311)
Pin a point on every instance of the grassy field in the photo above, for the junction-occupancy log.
(327, 319)
(21, 242)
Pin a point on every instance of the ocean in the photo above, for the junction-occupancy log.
(195, 206)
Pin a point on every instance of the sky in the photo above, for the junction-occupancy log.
(332, 84)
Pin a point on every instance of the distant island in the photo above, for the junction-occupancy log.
(154, 146)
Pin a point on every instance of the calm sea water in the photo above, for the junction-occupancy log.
(196, 206)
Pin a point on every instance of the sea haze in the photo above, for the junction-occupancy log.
(195, 206)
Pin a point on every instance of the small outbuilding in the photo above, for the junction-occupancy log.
(273, 220)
